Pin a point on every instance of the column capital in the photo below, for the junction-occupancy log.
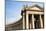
(23, 13)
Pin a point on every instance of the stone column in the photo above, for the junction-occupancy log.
(23, 21)
(33, 21)
(27, 22)
(41, 21)
(30, 26)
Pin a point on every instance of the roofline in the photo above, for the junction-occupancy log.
(13, 23)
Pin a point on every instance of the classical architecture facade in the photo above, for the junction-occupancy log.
(32, 18)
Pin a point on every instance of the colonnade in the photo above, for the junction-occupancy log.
(27, 22)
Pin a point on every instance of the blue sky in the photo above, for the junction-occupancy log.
(13, 10)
